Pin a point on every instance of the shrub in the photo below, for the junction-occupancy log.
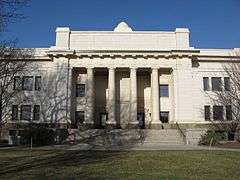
(212, 137)
(40, 135)
(61, 135)
(3, 141)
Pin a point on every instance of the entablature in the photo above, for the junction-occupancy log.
(122, 54)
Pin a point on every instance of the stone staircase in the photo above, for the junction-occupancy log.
(125, 137)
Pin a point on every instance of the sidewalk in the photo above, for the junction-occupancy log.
(146, 147)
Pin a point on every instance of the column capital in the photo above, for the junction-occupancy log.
(133, 68)
(155, 68)
(111, 68)
(89, 67)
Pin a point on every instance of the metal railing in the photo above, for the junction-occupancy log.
(181, 132)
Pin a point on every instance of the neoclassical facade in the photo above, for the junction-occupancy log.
(123, 78)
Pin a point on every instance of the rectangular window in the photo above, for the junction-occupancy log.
(25, 112)
(17, 84)
(227, 83)
(206, 84)
(38, 82)
(217, 113)
(164, 92)
(80, 90)
(36, 113)
(216, 84)
(229, 112)
(79, 117)
(164, 116)
(13, 132)
(207, 113)
(28, 83)
(14, 112)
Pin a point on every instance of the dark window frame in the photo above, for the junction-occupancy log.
(216, 113)
(17, 83)
(216, 86)
(227, 84)
(80, 90)
(29, 112)
(25, 86)
(79, 118)
(162, 117)
(15, 113)
(38, 83)
(228, 112)
(206, 86)
(36, 112)
(207, 113)
(163, 93)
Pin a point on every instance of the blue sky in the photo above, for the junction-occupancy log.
(212, 23)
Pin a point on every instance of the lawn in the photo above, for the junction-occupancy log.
(58, 164)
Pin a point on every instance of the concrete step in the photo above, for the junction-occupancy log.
(126, 136)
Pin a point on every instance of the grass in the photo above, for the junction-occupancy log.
(56, 164)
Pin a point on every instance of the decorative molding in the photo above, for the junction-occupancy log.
(123, 27)
(123, 54)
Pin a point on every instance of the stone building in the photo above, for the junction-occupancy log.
(123, 79)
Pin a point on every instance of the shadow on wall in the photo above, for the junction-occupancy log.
(52, 96)
(223, 111)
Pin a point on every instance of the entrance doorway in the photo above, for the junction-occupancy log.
(141, 120)
(103, 119)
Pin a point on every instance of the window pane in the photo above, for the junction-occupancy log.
(207, 113)
(229, 112)
(12, 132)
(38, 83)
(80, 90)
(227, 84)
(17, 83)
(79, 117)
(205, 83)
(26, 112)
(164, 90)
(28, 83)
(36, 112)
(15, 112)
(164, 116)
(217, 112)
(216, 84)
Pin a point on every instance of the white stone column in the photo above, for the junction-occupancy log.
(111, 97)
(155, 97)
(90, 97)
(133, 95)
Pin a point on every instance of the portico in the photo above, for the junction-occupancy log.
(116, 96)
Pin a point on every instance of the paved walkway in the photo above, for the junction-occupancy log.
(147, 147)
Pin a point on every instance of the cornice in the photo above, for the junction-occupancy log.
(123, 53)
(216, 58)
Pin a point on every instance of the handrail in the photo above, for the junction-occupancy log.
(181, 132)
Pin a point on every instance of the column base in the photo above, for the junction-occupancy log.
(133, 125)
(155, 125)
(111, 124)
(89, 125)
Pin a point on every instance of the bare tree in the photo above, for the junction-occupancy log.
(10, 12)
(10, 66)
(229, 97)
(11, 58)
